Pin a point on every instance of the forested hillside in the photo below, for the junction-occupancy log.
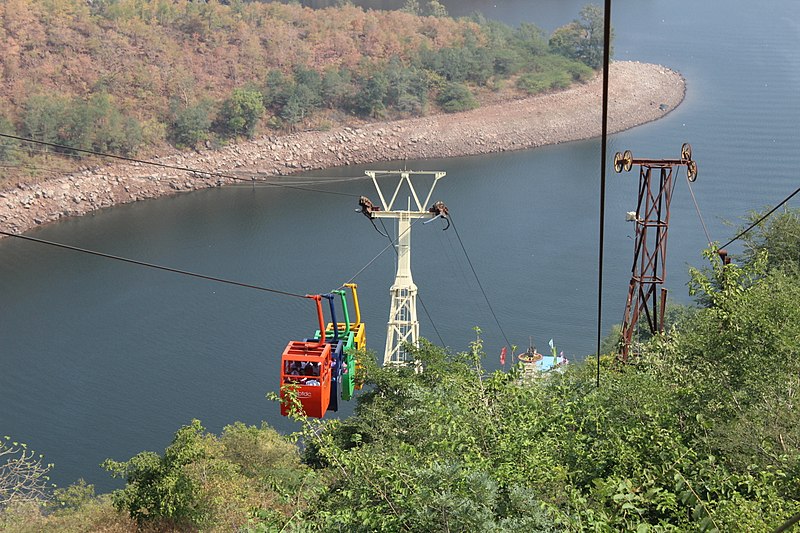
(143, 76)
(700, 432)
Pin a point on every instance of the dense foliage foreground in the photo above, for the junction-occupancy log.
(701, 433)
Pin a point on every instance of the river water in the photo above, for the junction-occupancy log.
(102, 359)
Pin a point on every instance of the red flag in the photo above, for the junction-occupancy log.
(503, 356)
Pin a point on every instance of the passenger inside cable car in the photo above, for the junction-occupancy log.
(306, 368)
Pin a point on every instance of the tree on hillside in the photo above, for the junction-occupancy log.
(8, 147)
(455, 97)
(240, 113)
(335, 87)
(276, 90)
(407, 87)
(531, 38)
(582, 39)
(94, 123)
(45, 117)
(98, 124)
(209, 482)
(190, 125)
(779, 235)
(370, 98)
(425, 8)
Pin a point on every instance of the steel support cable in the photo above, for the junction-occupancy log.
(308, 189)
(697, 208)
(298, 182)
(421, 302)
(480, 285)
(603, 149)
(391, 244)
(150, 265)
(789, 523)
(31, 167)
(43, 151)
(319, 181)
(172, 167)
(761, 219)
(382, 234)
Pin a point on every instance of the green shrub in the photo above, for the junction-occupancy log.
(240, 113)
(166, 488)
(191, 125)
(539, 82)
(456, 97)
(8, 147)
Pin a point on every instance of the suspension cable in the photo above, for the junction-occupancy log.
(382, 234)
(195, 172)
(150, 265)
(367, 265)
(391, 244)
(761, 219)
(697, 208)
(480, 285)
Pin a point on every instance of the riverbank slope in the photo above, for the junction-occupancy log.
(638, 93)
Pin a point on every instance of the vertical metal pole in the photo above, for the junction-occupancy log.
(603, 150)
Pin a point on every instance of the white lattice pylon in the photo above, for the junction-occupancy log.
(403, 326)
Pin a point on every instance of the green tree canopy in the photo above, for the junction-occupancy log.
(456, 97)
(582, 39)
(240, 113)
(191, 124)
(8, 147)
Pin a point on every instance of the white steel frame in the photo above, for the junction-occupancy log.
(403, 326)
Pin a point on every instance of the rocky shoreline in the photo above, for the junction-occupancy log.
(638, 93)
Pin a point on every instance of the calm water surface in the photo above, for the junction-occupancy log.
(101, 359)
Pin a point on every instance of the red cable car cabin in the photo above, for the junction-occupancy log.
(307, 366)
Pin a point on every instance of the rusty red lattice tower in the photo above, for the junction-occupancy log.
(656, 184)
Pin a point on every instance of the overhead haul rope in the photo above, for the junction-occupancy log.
(194, 171)
(697, 208)
(309, 181)
(186, 272)
(761, 219)
(150, 265)
(383, 233)
(480, 285)
(32, 167)
(603, 149)
(392, 245)
(421, 302)
(42, 151)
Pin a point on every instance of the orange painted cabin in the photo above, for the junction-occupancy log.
(314, 386)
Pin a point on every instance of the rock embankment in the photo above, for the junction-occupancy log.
(638, 93)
